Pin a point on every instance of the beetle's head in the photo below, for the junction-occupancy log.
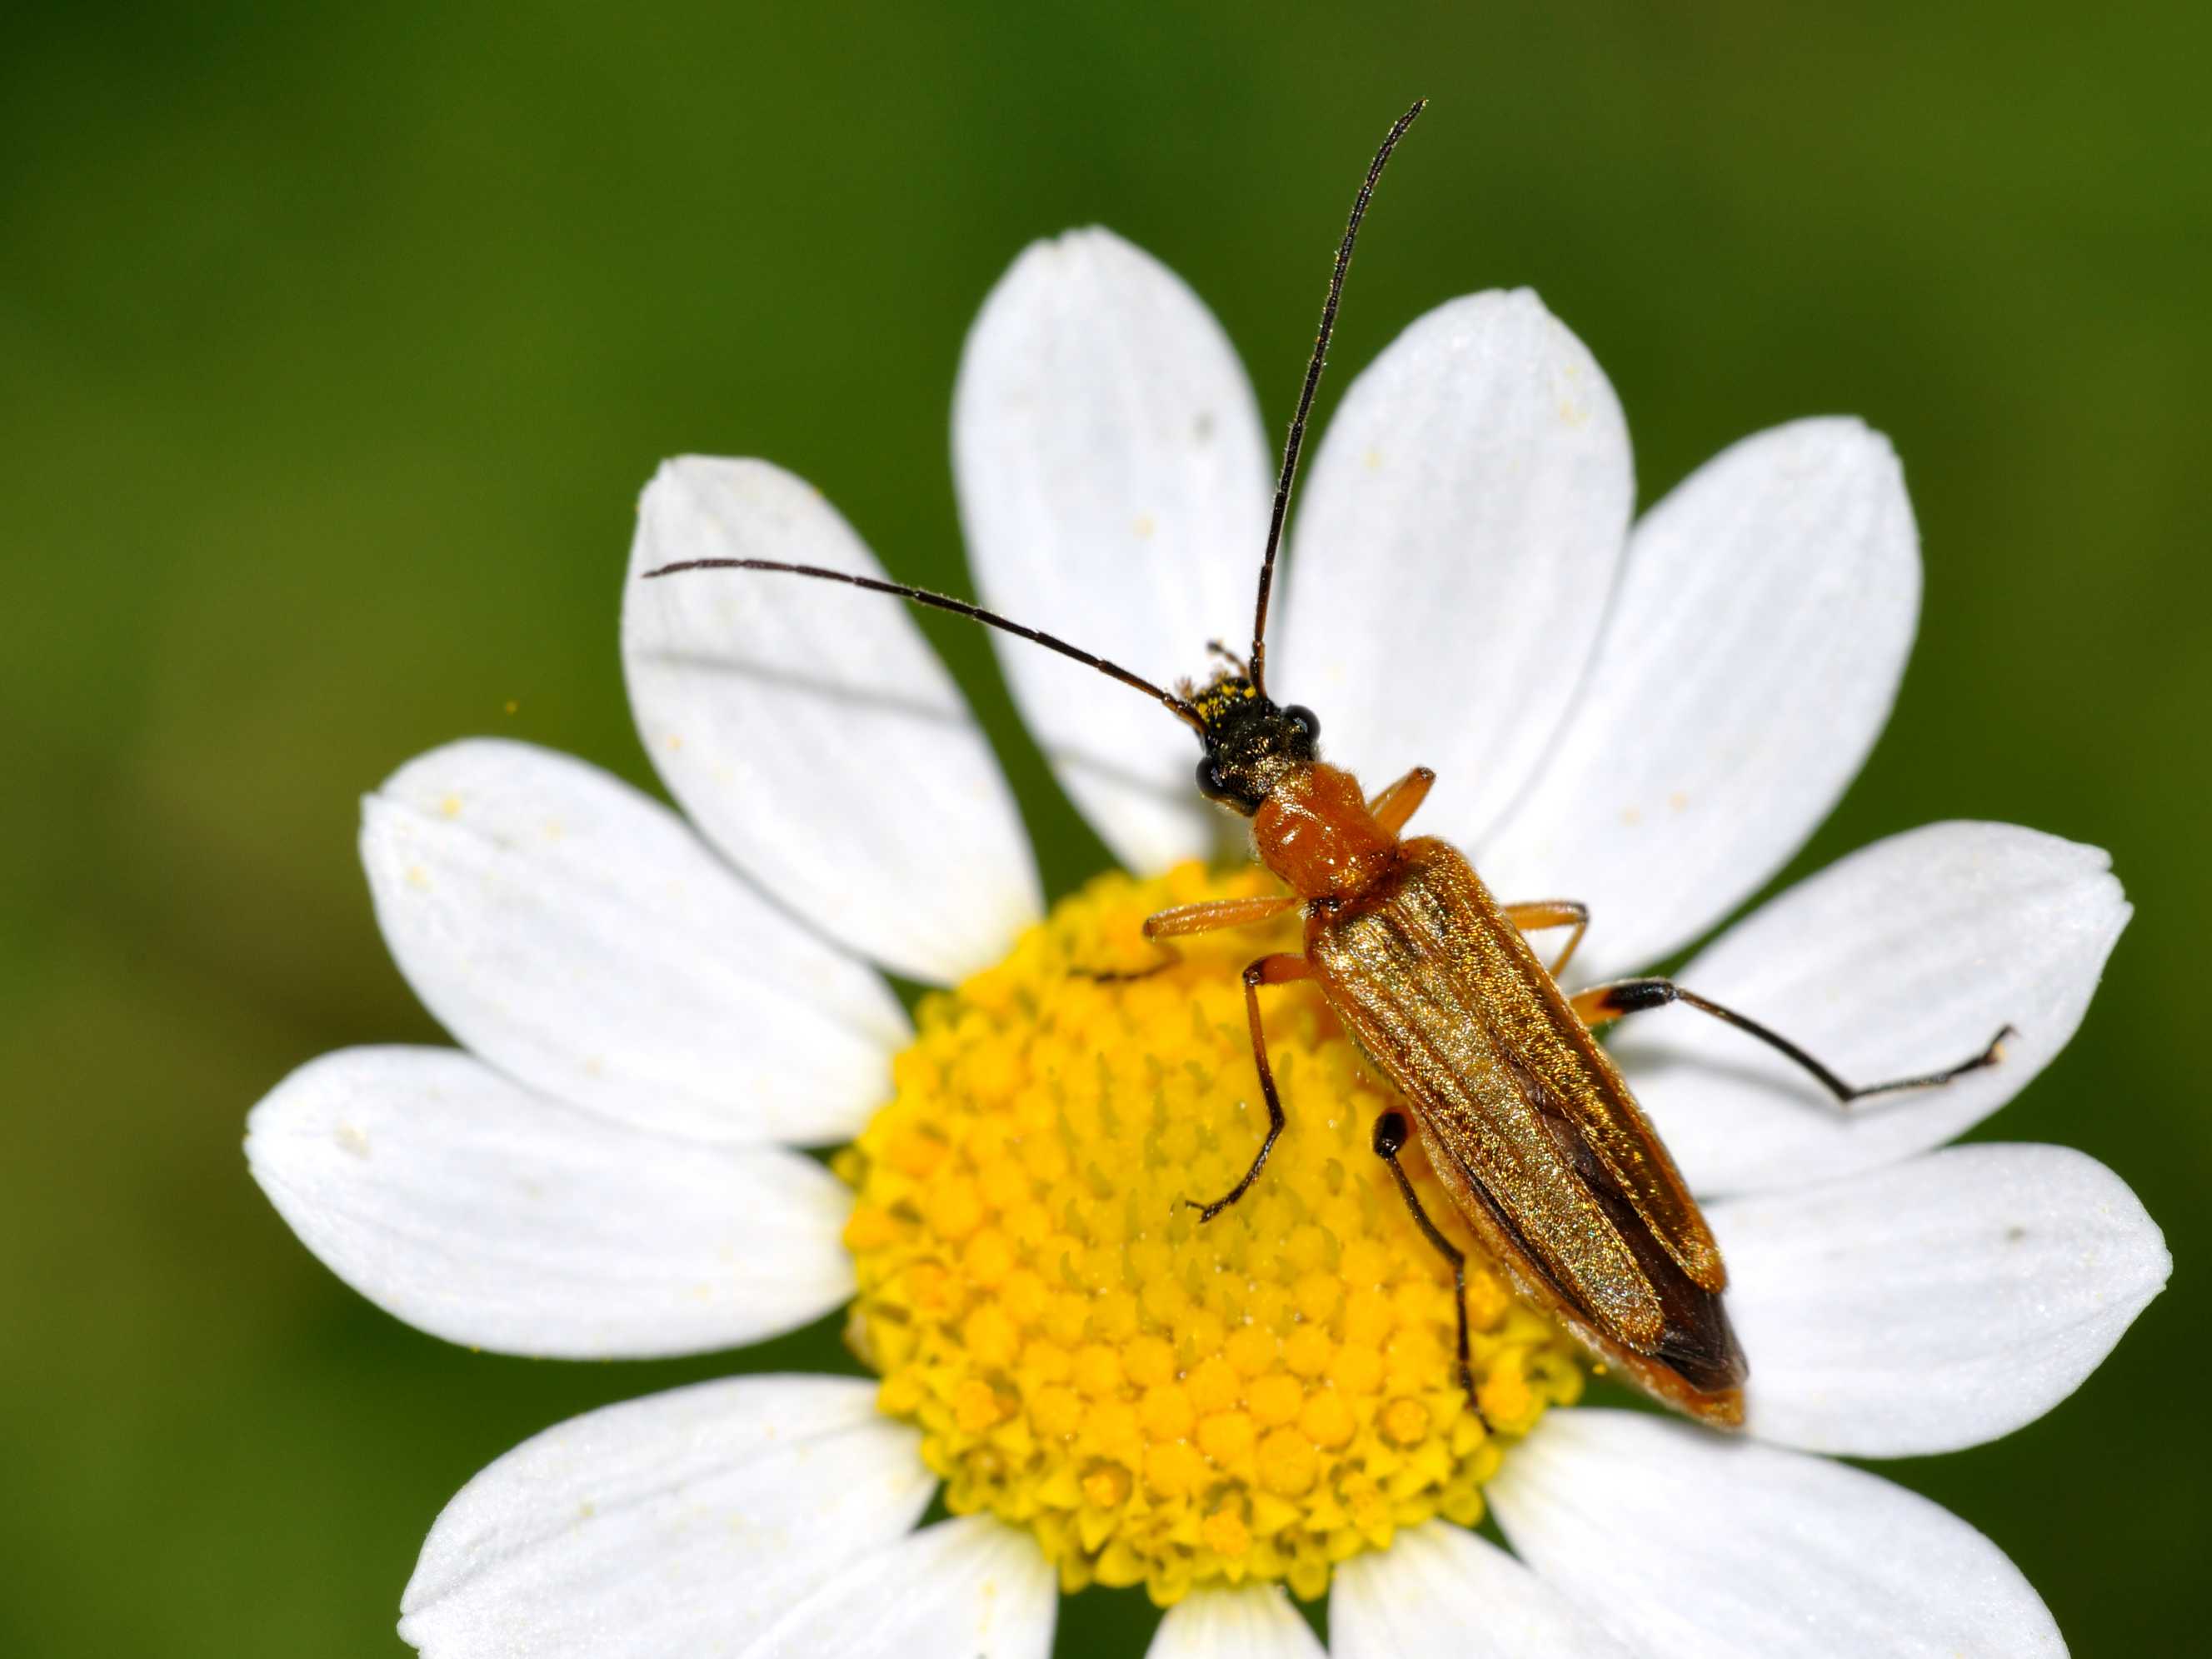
(1251, 742)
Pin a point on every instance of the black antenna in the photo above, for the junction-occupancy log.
(1174, 705)
(1306, 395)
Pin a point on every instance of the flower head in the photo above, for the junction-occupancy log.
(1160, 1399)
(1649, 718)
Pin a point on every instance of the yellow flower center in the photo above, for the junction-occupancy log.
(1162, 1401)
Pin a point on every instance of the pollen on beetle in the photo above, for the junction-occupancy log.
(1163, 1402)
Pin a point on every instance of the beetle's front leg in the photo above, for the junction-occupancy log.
(1401, 800)
(1267, 970)
(1188, 919)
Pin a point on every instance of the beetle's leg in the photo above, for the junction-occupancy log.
(1267, 970)
(1217, 914)
(1553, 913)
(1601, 1003)
(1390, 1131)
(1401, 800)
(1210, 917)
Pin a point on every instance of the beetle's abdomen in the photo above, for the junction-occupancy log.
(1527, 1124)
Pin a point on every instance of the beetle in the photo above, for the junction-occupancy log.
(1523, 1117)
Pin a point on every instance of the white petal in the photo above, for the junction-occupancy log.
(1255, 1622)
(580, 936)
(1750, 661)
(811, 732)
(1691, 1543)
(674, 1524)
(1936, 1305)
(1114, 486)
(487, 1215)
(1902, 958)
(1458, 535)
(1442, 1591)
(975, 1588)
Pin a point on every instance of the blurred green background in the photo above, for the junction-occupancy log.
(338, 345)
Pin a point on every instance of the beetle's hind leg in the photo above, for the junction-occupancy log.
(1391, 1130)
(1187, 918)
(1267, 970)
(1602, 1003)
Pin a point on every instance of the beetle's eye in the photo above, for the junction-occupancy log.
(1216, 786)
(1303, 720)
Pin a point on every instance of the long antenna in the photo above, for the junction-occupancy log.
(1306, 395)
(1176, 706)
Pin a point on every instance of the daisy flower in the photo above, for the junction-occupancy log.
(1649, 717)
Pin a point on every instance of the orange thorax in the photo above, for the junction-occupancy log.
(1314, 832)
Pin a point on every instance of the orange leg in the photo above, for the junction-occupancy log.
(1267, 970)
(1553, 913)
(1215, 914)
(1207, 918)
(1604, 1003)
(1401, 800)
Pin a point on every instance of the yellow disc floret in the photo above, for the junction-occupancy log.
(1161, 1401)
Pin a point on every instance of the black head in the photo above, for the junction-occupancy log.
(1250, 741)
